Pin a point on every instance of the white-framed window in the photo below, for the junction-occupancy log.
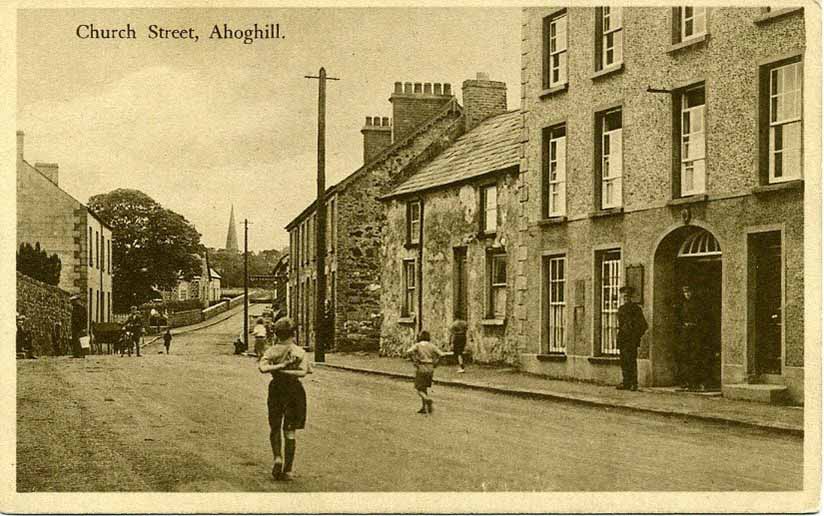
(785, 122)
(413, 222)
(556, 299)
(489, 209)
(555, 143)
(612, 36)
(693, 142)
(555, 33)
(611, 159)
(409, 286)
(496, 274)
(693, 21)
(90, 249)
(610, 265)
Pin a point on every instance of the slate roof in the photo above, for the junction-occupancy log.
(491, 146)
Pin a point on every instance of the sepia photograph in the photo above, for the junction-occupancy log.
(415, 258)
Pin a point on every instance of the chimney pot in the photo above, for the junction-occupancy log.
(437, 88)
(447, 88)
(407, 87)
(427, 88)
(386, 121)
(418, 87)
(482, 76)
(398, 87)
(368, 120)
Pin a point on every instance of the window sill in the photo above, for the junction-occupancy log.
(482, 235)
(694, 40)
(778, 13)
(606, 213)
(493, 322)
(777, 187)
(550, 221)
(609, 70)
(411, 245)
(407, 320)
(551, 357)
(605, 360)
(553, 90)
(689, 199)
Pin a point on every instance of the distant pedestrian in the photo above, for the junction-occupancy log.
(134, 324)
(259, 332)
(631, 327)
(457, 334)
(23, 338)
(425, 356)
(79, 322)
(692, 322)
(167, 340)
(287, 363)
(57, 330)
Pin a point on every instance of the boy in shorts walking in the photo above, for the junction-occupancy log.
(287, 363)
(425, 356)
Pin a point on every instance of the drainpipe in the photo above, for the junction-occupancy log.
(420, 272)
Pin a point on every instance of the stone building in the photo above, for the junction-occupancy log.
(63, 225)
(449, 235)
(426, 118)
(662, 147)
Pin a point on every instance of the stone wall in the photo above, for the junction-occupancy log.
(450, 220)
(185, 318)
(361, 223)
(43, 305)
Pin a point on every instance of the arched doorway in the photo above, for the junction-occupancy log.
(689, 255)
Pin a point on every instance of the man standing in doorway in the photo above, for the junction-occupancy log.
(631, 327)
(691, 323)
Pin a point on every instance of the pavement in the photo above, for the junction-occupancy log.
(507, 380)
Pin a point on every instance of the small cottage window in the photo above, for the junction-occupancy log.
(413, 222)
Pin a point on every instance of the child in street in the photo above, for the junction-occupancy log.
(259, 332)
(458, 337)
(287, 363)
(425, 356)
(167, 340)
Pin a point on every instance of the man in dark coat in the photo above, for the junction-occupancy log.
(692, 321)
(134, 325)
(78, 325)
(631, 327)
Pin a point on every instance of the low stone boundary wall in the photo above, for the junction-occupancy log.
(43, 305)
(235, 301)
(212, 311)
(185, 318)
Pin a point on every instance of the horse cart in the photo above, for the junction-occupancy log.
(108, 334)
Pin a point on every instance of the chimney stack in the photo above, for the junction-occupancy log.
(49, 170)
(482, 99)
(20, 137)
(377, 135)
(415, 103)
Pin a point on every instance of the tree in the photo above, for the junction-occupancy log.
(230, 264)
(152, 247)
(36, 263)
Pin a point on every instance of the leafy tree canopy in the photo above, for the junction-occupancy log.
(151, 246)
(230, 264)
(36, 263)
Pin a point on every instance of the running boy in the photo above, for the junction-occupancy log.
(425, 356)
(287, 363)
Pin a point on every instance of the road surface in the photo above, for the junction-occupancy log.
(195, 421)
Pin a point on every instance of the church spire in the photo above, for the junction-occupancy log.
(231, 236)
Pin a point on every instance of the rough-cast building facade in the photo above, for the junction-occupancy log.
(64, 226)
(449, 234)
(426, 118)
(662, 147)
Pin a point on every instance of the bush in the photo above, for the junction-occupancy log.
(37, 264)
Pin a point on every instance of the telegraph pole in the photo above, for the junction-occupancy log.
(320, 219)
(246, 284)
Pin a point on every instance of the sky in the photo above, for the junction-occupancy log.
(201, 126)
